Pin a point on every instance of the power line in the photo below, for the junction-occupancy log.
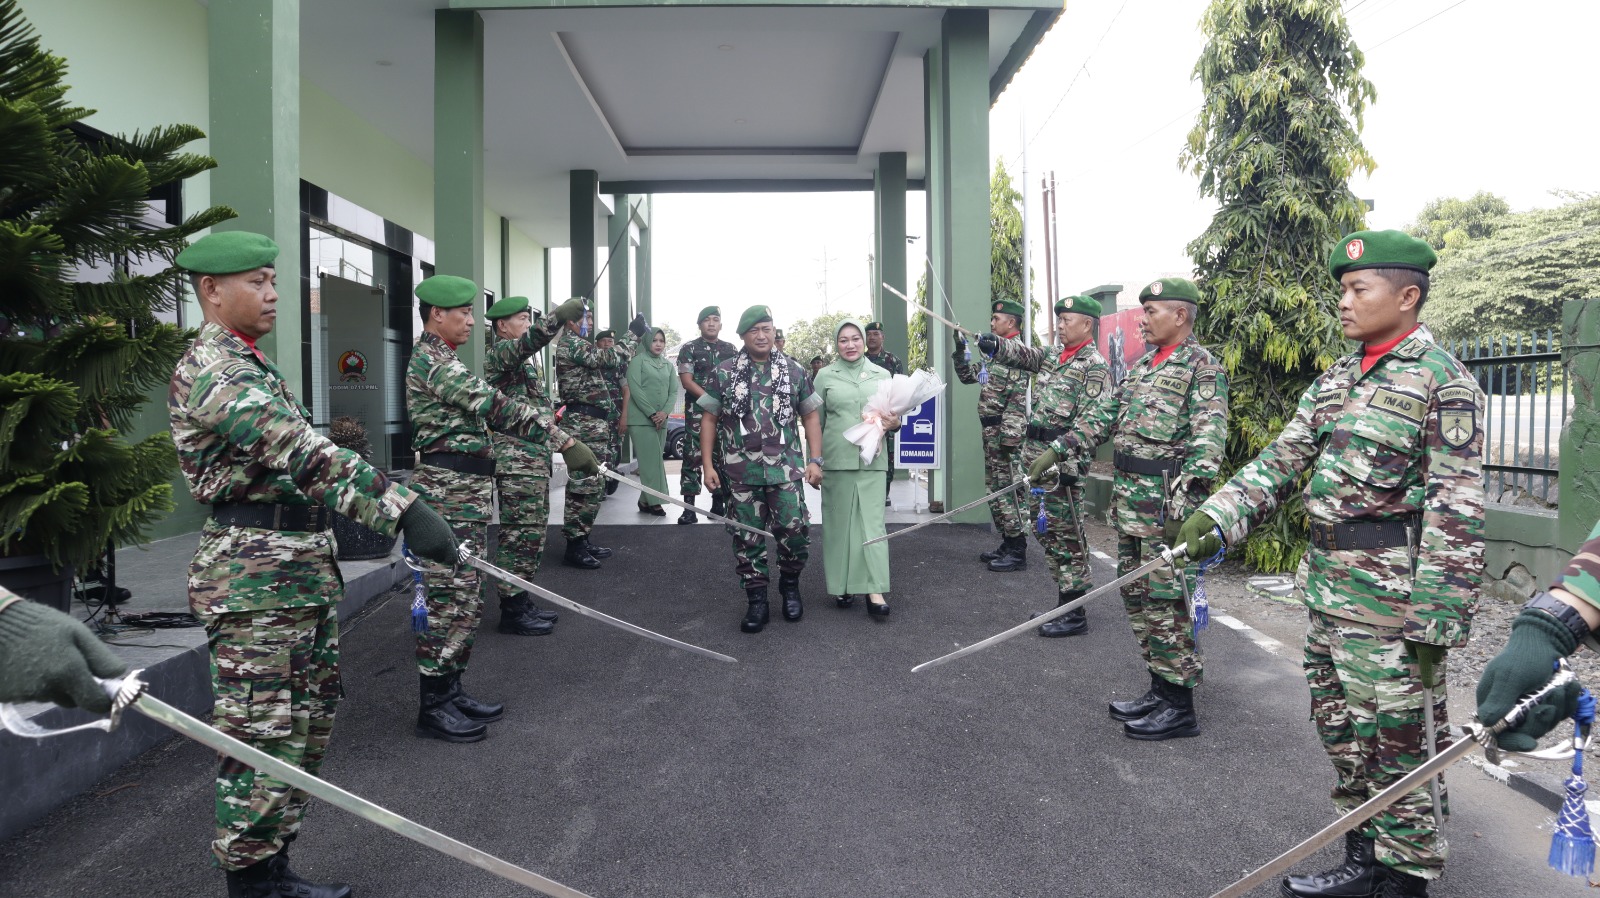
(1419, 24)
(1084, 67)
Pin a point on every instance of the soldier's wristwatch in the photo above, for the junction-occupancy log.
(1567, 615)
(815, 461)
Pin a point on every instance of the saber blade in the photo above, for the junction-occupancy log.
(506, 576)
(1167, 557)
(660, 495)
(929, 312)
(952, 512)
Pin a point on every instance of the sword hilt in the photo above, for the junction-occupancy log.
(124, 691)
(1485, 734)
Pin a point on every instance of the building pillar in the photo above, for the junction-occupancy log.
(889, 212)
(620, 267)
(583, 197)
(255, 138)
(458, 158)
(1580, 436)
(641, 270)
(959, 241)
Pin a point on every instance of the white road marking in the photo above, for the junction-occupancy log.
(1102, 556)
(1265, 642)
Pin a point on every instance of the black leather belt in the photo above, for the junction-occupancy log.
(1350, 535)
(991, 420)
(1047, 434)
(584, 408)
(461, 464)
(295, 518)
(1132, 464)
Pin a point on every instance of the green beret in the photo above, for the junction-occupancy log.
(604, 334)
(228, 252)
(779, 334)
(446, 291)
(1082, 305)
(1181, 289)
(1006, 306)
(507, 307)
(1380, 249)
(875, 326)
(707, 312)
(752, 317)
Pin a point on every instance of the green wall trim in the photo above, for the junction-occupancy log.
(749, 185)
(643, 4)
(583, 200)
(1038, 25)
(458, 210)
(889, 214)
(618, 266)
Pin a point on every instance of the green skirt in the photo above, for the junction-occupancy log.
(647, 449)
(852, 513)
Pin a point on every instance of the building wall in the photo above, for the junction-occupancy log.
(527, 268)
(343, 152)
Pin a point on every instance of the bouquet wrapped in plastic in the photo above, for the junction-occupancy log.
(896, 396)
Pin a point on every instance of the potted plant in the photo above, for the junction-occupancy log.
(85, 269)
(356, 541)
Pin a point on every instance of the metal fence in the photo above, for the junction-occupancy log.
(1528, 404)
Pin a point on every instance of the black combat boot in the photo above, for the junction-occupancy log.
(1174, 718)
(719, 505)
(755, 617)
(255, 881)
(999, 550)
(577, 555)
(1360, 875)
(518, 617)
(1073, 623)
(789, 591)
(688, 516)
(439, 718)
(1015, 557)
(1403, 885)
(473, 709)
(293, 885)
(1140, 706)
(599, 553)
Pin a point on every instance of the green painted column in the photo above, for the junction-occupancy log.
(1580, 437)
(458, 157)
(641, 274)
(255, 138)
(935, 233)
(889, 198)
(620, 270)
(964, 269)
(584, 195)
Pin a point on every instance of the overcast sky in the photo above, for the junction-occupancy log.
(1472, 95)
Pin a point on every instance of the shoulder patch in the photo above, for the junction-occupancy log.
(1448, 395)
(1330, 399)
(1457, 426)
(1094, 387)
(1398, 404)
(1206, 388)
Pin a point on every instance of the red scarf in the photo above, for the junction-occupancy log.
(1071, 351)
(1372, 353)
(1163, 354)
(250, 342)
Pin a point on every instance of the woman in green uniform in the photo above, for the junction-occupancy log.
(852, 491)
(651, 389)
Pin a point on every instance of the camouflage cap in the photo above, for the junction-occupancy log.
(707, 312)
(446, 291)
(1181, 289)
(1007, 307)
(752, 317)
(604, 334)
(228, 252)
(507, 307)
(1380, 249)
(1082, 305)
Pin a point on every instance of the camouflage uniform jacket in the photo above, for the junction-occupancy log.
(757, 450)
(888, 361)
(519, 377)
(242, 436)
(1177, 413)
(1581, 576)
(583, 371)
(1062, 390)
(1004, 396)
(699, 359)
(452, 409)
(1402, 442)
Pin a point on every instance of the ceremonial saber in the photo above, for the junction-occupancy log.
(506, 576)
(1167, 557)
(129, 692)
(954, 511)
(659, 495)
(929, 312)
(1477, 735)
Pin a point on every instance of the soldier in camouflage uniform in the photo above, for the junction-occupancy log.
(755, 407)
(451, 412)
(697, 364)
(1070, 376)
(583, 375)
(1169, 425)
(521, 469)
(1392, 440)
(891, 363)
(615, 380)
(263, 579)
(1003, 415)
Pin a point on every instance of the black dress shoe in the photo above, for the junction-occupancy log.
(755, 616)
(578, 556)
(1139, 707)
(845, 601)
(656, 510)
(877, 609)
(1360, 875)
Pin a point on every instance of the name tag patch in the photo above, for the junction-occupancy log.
(1330, 399)
(1401, 405)
(1172, 384)
(1449, 395)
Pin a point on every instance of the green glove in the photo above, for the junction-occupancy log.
(580, 459)
(49, 656)
(1169, 531)
(1199, 535)
(1430, 661)
(569, 311)
(1047, 459)
(960, 338)
(428, 535)
(1526, 663)
(638, 327)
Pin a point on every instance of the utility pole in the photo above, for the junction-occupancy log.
(1055, 239)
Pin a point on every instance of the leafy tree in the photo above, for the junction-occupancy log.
(1276, 143)
(806, 338)
(917, 354)
(1005, 246)
(1515, 279)
(1448, 222)
(81, 347)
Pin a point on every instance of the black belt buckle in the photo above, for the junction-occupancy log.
(991, 420)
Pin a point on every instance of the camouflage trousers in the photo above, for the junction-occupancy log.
(779, 509)
(1367, 704)
(455, 600)
(275, 678)
(690, 479)
(1001, 468)
(1158, 613)
(524, 516)
(584, 493)
(1063, 540)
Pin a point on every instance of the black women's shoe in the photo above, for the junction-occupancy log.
(877, 609)
(845, 601)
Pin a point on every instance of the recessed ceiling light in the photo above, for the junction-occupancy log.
(385, 62)
(724, 46)
(738, 121)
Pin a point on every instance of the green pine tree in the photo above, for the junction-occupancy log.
(79, 358)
